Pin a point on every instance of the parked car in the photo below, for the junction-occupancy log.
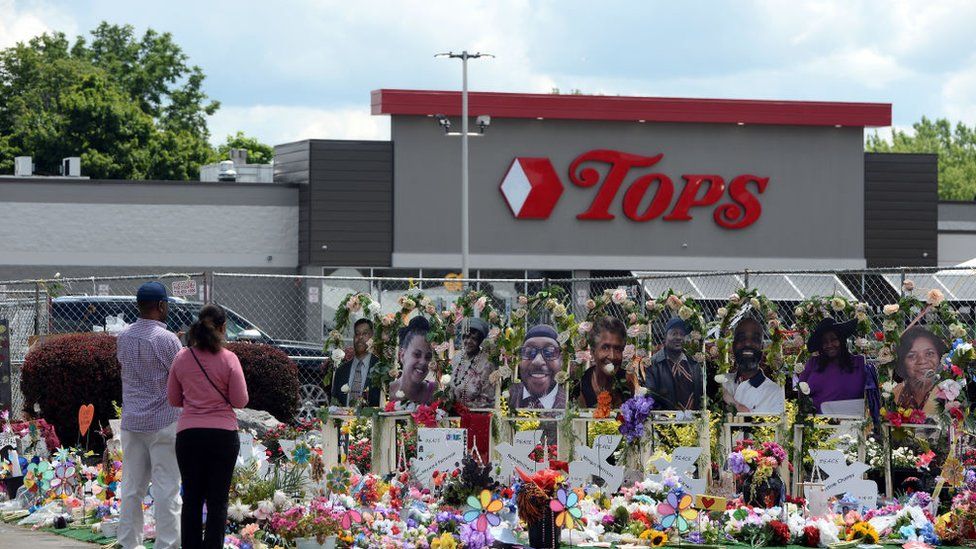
(83, 313)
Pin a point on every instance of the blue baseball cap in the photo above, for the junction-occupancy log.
(152, 291)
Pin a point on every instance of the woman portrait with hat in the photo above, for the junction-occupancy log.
(917, 366)
(832, 372)
(471, 383)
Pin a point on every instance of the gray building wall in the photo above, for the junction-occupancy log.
(957, 232)
(813, 206)
(901, 193)
(142, 223)
(346, 197)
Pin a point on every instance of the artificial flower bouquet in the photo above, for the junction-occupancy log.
(755, 468)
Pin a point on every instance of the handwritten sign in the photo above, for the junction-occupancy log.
(184, 288)
(86, 413)
(710, 503)
(8, 439)
(517, 454)
(592, 462)
(844, 478)
(437, 450)
(683, 460)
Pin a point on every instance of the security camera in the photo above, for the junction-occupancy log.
(443, 121)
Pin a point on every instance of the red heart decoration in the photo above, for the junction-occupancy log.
(85, 416)
(707, 502)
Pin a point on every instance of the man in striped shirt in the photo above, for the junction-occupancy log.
(146, 350)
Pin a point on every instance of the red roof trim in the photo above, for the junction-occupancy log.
(615, 108)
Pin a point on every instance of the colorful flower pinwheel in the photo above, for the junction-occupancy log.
(677, 511)
(567, 508)
(350, 517)
(65, 479)
(337, 480)
(43, 474)
(483, 511)
(302, 454)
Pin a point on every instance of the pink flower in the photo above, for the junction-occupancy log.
(583, 356)
(948, 390)
(619, 296)
(629, 352)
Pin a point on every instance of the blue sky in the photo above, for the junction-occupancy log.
(298, 69)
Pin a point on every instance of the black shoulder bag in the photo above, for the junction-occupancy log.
(212, 384)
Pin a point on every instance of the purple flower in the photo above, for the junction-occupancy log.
(696, 537)
(737, 464)
(473, 539)
(634, 413)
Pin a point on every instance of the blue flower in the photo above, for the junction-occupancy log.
(928, 534)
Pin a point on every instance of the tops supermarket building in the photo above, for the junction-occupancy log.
(560, 186)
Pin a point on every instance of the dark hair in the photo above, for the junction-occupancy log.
(844, 359)
(365, 321)
(610, 324)
(205, 332)
(418, 326)
(908, 340)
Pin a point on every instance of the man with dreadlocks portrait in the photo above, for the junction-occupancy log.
(747, 387)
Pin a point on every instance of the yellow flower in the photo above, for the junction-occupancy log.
(749, 455)
(863, 531)
(656, 537)
(446, 541)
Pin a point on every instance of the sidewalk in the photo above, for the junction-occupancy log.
(18, 537)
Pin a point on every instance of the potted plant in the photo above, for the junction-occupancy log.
(312, 526)
(533, 500)
(755, 469)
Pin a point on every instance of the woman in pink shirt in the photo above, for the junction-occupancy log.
(206, 380)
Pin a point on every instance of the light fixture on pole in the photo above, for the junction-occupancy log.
(483, 122)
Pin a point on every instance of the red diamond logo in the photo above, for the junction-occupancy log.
(531, 188)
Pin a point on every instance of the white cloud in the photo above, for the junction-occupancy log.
(959, 94)
(276, 124)
(868, 67)
(20, 23)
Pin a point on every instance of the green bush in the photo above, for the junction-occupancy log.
(272, 379)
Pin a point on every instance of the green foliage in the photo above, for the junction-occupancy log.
(130, 106)
(956, 148)
(257, 152)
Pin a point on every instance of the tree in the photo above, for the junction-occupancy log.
(131, 107)
(956, 148)
(257, 152)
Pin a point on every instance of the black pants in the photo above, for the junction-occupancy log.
(206, 458)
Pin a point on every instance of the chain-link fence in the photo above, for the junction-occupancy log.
(294, 312)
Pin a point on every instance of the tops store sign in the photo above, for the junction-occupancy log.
(532, 187)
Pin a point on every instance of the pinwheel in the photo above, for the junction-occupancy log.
(567, 508)
(483, 511)
(350, 517)
(65, 479)
(677, 511)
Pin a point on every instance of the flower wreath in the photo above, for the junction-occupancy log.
(720, 349)
(385, 342)
(808, 314)
(636, 344)
(549, 302)
(943, 321)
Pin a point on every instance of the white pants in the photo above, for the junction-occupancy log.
(145, 457)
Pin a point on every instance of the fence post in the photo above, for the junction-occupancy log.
(37, 308)
(746, 278)
(901, 289)
(208, 280)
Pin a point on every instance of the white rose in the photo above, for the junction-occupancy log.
(908, 285)
(721, 312)
(641, 391)
(721, 378)
(734, 299)
(888, 386)
(754, 302)
(280, 499)
(798, 311)
(338, 355)
(798, 368)
(584, 327)
(400, 395)
(445, 379)
(608, 368)
(890, 309)
(345, 388)
(699, 357)
(837, 304)
(805, 387)
(685, 312)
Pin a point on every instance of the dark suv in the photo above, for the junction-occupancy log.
(81, 313)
